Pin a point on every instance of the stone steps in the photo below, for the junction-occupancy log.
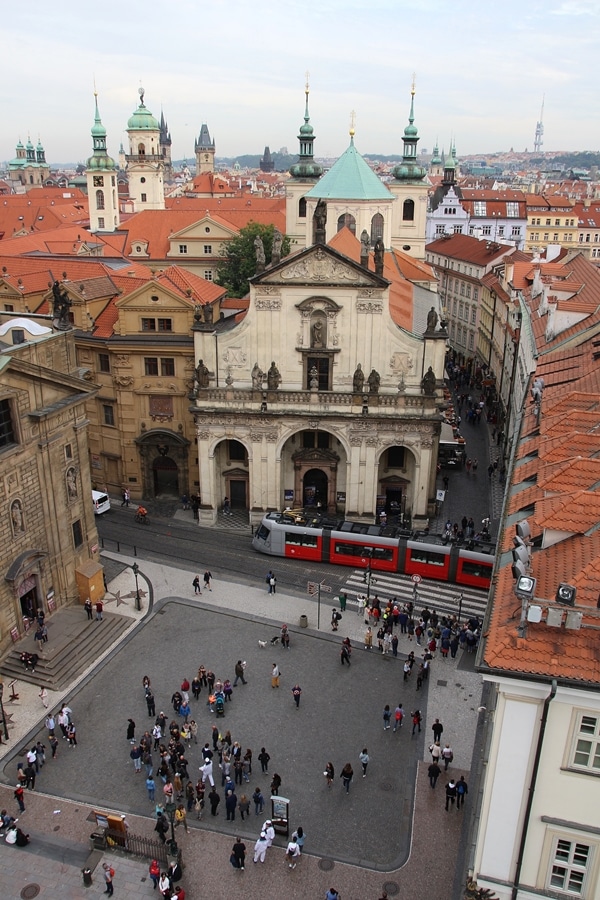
(74, 643)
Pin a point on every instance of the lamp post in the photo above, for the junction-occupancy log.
(368, 576)
(170, 808)
(135, 569)
(2, 713)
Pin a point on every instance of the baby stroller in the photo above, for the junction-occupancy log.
(220, 705)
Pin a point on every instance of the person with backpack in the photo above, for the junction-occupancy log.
(398, 716)
(462, 790)
(416, 720)
(335, 619)
(109, 874)
(196, 585)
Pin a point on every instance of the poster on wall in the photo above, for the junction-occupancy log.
(288, 496)
(341, 496)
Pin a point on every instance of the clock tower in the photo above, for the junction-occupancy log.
(145, 162)
(101, 174)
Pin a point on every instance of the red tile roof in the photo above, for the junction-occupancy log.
(469, 249)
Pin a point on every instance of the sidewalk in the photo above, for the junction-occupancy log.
(454, 697)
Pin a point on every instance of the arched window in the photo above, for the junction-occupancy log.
(376, 227)
(141, 150)
(99, 199)
(408, 211)
(302, 208)
(347, 221)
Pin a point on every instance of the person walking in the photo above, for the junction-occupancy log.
(292, 853)
(150, 787)
(238, 854)
(244, 806)
(214, 799)
(109, 874)
(387, 715)
(271, 582)
(88, 608)
(364, 761)
(416, 720)
(227, 506)
(126, 497)
(53, 740)
(450, 793)
(43, 695)
(297, 691)
(462, 789)
(347, 775)
(150, 703)
(181, 818)
(19, 795)
(99, 609)
(275, 784)
(436, 752)
(398, 716)
(368, 638)
(447, 756)
(433, 772)
(154, 872)
(239, 673)
(72, 735)
(263, 758)
(230, 805)
(207, 577)
(275, 676)
(345, 654)
(437, 729)
(259, 801)
(329, 773)
(196, 585)
(260, 848)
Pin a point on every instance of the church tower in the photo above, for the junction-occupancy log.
(410, 190)
(145, 164)
(436, 166)
(165, 145)
(101, 174)
(304, 174)
(204, 148)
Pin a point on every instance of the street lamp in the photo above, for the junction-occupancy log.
(368, 576)
(170, 807)
(2, 711)
(135, 569)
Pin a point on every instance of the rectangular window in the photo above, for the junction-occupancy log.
(500, 230)
(8, 437)
(104, 362)
(479, 208)
(150, 365)
(546, 236)
(165, 325)
(167, 366)
(143, 198)
(77, 533)
(208, 275)
(301, 540)
(68, 451)
(18, 336)
(440, 229)
(8, 307)
(208, 249)
(427, 557)
(469, 291)
(475, 294)
(555, 238)
(462, 289)
(548, 221)
(512, 210)
(587, 744)
(557, 223)
(473, 316)
(570, 863)
(100, 222)
(148, 324)
(471, 229)
(516, 231)
(108, 412)
(183, 248)
(458, 229)
(471, 341)
(486, 230)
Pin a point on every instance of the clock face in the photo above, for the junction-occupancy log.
(98, 181)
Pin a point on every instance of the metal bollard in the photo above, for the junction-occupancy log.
(87, 877)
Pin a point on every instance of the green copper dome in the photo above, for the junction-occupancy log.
(142, 119)
(100, 160)
(306, 167)
(350, 178)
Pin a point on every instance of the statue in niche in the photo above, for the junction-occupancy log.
(202, 376)
(71, 483)
(16, 516)
(365, 246)
(258, 376)
(374, 382)
(378, 251)
(273, 377)
(432, 319)
(61, 305)
(276, 248)
(259, 249)
(358, 380)
(313, 379)
(208, 313)
(320, 218)
(318, 341)
(428, 382)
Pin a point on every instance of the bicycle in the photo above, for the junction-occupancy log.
(142, 518)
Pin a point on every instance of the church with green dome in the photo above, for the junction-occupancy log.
(145, 162)
(29, 167)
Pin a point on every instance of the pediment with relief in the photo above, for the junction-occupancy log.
(320, 265)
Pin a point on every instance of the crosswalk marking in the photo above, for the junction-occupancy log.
(438, 595)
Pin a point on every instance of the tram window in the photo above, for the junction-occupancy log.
(476, 569)
(263, 533)
(301, 540)
(427, 557)
(357, 550)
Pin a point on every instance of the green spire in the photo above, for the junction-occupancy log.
(100, 158)
(408, 170)
(306, 167)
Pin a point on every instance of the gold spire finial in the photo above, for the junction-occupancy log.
(352, 121)
(307, 73)
(414, 81)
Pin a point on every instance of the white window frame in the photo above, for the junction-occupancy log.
(563, 857)
(580, 737)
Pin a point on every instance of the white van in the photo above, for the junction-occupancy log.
(101, 502)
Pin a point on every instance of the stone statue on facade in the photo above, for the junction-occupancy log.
(428, 382)
(365, 246)
(317, 335)
(432, 319)
(313, 379)
(378, 251)
(276, 248)
(257, 376)
(320, 218)
(273, 377)
(374, 381)
(202, 375)
(60, 306)
(358, 380)
(259, 249)
(208, 313)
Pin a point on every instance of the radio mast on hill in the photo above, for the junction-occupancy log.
(539, 131)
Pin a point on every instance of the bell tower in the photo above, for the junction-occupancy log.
(101, 175)
(145, 163)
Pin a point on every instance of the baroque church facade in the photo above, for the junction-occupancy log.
(317, 395)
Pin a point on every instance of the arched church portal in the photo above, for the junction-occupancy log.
(315, 488)
(166, 478)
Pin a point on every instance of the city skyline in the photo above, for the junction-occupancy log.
(478, 80)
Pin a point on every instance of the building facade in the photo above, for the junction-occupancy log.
(47, 529)
(145, 162)
(101, 174)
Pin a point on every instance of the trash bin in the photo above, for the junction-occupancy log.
(87, 877)
(303, 621)
(98, 840)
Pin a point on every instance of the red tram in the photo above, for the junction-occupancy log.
(384, 548)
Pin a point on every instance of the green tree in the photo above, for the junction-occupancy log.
(239, 263)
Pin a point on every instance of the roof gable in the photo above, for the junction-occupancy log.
(320, 265)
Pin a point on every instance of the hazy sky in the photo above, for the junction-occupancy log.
(239, 65)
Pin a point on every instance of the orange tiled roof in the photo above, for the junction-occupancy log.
(469, 249)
